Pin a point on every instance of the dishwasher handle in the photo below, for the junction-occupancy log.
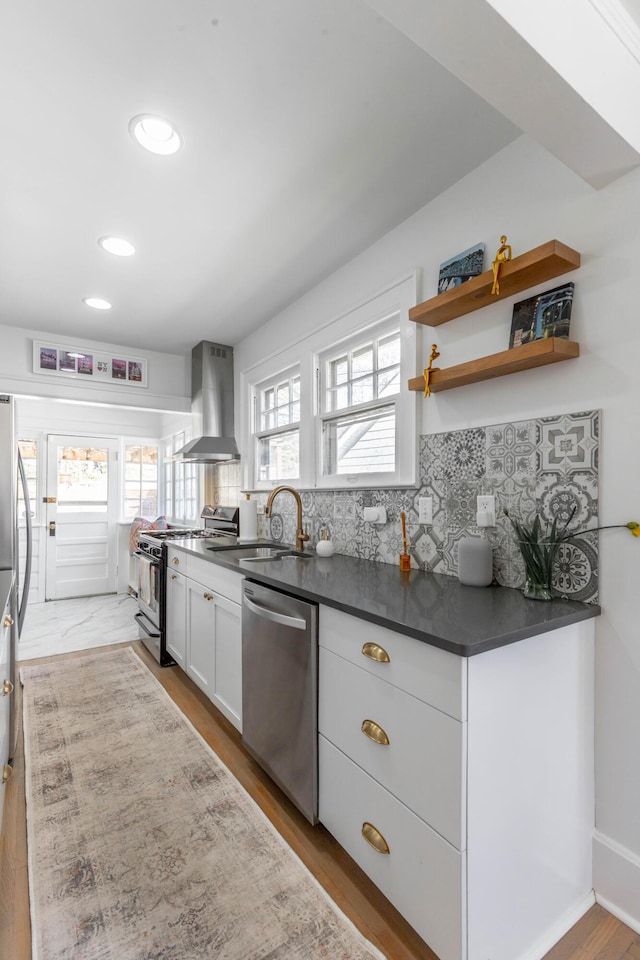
(296, 622)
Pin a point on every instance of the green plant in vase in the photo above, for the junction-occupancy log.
(539, 544)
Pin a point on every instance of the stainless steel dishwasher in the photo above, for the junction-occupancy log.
(280, 690)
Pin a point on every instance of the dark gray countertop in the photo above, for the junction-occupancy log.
(430, 607)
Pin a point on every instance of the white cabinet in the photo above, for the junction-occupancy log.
(203, 624)
(176, 616)
(201, 638)
(476, 775)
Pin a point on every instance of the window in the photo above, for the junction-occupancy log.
(181, 482)
(277, 433)
(29, 451)
(141, 480)
(358, 421)
(331, 409)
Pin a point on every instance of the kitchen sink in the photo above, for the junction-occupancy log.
(258, 554)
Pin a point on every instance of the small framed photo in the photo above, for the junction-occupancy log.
(546, 315)
(85, 364)
(461, 267)
(67, 361)
(119, 369)
(48, 358)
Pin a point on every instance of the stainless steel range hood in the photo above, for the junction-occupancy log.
(211, 405)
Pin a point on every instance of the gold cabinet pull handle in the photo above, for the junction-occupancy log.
(374, 838)
(208, 596)
(175, 560)
(8, 621)
(374, 652)
(174, 576)
(7, 772)
(375, 732)
(7, 688)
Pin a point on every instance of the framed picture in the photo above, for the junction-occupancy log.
(79, 363)
(48, 358)
(545, 315)
(458, 269)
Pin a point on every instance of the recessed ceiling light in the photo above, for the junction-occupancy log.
(155, 134)
(97, 303)
(117, 246)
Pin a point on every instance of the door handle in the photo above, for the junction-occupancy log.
(7, 688)
(49, 499)
(52, 528)
(140, 618)
(297, 622)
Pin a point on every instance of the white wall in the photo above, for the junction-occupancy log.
(168, 375)
(529, 195)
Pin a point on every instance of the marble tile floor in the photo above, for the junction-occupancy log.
(64, 626)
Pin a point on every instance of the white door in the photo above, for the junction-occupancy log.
(82, 515)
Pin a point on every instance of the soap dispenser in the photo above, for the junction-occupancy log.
(325, 547)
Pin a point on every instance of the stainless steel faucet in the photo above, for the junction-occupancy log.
(301, 536)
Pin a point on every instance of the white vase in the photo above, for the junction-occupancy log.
(325, 548)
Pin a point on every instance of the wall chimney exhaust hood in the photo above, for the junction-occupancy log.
(211, 406)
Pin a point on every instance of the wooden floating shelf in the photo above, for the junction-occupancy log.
(529, 355)
(550, 260)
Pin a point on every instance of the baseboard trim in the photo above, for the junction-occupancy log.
(557, 931)
(616, 879)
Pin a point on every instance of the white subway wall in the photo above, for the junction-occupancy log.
(527, 194)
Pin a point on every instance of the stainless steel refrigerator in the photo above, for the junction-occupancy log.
(13, 590)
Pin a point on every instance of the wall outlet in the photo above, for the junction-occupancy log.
(425, 510)
(486, 510)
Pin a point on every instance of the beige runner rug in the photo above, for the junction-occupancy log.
(142, 845)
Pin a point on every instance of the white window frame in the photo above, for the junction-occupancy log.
(177, 474)
(259, 433)
(394, 300)
(324, 416)
(137, 442)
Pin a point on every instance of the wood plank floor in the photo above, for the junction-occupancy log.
(597, 936)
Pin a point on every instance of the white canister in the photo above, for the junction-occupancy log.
(248, 518)
(475, 562)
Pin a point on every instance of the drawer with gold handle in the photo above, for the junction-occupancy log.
(375, 732)
(374, 838)
(375, 652)
(412, 749)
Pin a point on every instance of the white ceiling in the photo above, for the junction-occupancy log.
(310, 128)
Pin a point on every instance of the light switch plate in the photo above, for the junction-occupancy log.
(425, 510)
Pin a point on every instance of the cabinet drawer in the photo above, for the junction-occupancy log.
(225, 582)
(178, 560)
(428, 673)
(423, 762)
(422, 875)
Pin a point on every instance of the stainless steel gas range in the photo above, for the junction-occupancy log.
(152, 569)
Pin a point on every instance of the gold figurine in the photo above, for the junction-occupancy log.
(503, 254)
(429, 370)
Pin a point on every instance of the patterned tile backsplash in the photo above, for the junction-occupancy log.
(548, 466)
